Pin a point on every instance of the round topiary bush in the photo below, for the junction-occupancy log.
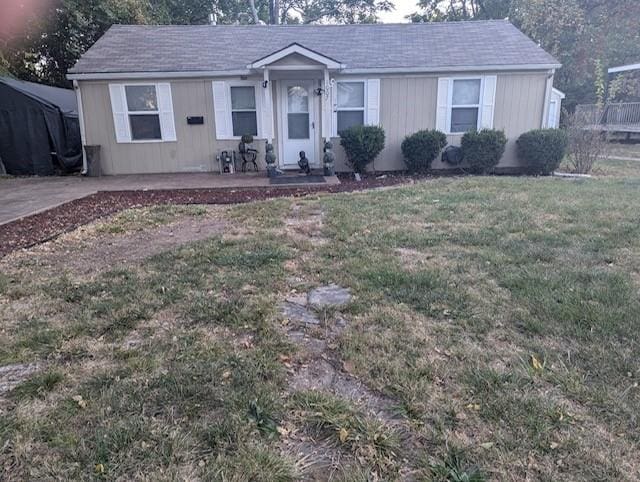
(542, 150)
(362, 144)
(482, 150)
(420, 149)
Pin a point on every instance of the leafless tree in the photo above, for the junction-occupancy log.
(587, 144)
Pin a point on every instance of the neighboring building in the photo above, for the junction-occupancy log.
(39, 131)
(555, 108)
(624, 84)
(296, 86)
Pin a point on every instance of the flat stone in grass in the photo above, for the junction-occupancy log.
(12, 375)
(330, 296)
(298, 314)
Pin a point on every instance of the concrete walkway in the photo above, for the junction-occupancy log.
(20, 197)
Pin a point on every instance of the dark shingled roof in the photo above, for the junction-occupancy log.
(206, 48)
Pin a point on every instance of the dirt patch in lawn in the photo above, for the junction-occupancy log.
(94, 252)
(305, 224)
(35, 229)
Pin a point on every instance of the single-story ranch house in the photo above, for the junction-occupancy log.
(171, 98)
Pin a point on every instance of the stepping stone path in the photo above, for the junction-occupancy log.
(298, 313)
(12, 375)
(317, 367)
(330, 296)
(297, 307)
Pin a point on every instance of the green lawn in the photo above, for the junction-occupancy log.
(495, 320)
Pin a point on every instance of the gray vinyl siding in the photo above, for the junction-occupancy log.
(407, 104)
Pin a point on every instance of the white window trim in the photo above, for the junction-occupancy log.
(145, 112)
(364, 109)
(451, 106)
(257, 85)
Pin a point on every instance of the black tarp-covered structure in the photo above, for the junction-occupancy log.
(39, 128)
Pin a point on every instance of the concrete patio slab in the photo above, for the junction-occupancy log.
(23, 196)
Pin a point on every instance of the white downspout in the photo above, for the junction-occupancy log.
(83, 136)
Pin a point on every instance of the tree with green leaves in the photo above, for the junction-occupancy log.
(586, 36)
(452, 10)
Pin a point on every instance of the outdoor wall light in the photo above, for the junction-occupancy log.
(265, 83)
(319, 91)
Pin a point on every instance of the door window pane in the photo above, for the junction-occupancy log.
(464, 119)
(141, 97)
(298, 126)
(145, 127)
(349, 118)
(298, 99)
(244, 123)
(243, 98)
(466, 92)
(351, 94)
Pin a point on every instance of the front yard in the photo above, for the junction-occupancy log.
(493, 333)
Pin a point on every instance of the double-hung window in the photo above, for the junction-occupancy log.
(465, 105)
(244, 114)
(143, 112)
(350, 104)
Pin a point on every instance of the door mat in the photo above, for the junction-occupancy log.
(297, 180)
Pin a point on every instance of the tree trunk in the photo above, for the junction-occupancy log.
(254, 12)
(274, 12)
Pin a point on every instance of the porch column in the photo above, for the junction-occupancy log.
(327, 111)
(267, 116)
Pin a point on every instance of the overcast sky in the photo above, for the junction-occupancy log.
(403, 8)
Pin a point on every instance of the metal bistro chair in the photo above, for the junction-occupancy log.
(247, 154)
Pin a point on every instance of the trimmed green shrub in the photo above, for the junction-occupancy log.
(542, 150)
(421, 148)
(482, 150)
(362, 144)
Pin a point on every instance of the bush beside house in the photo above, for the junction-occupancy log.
(362, 144)
(421, 148)
(542, 150)
(482, 150)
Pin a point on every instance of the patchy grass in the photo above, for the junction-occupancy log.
(617, 168)
(498, 315)
(146, 218)
(626, 149)
(38, 385)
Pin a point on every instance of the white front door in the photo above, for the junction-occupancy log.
(297, 122)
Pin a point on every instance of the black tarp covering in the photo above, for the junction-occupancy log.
(39, 128)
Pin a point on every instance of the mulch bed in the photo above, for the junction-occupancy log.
(46, 225)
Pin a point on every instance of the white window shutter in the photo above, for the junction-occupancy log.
(120, 117)
(442, 108)
(373, 102)
(221, 108)
(165, 106)
(263, 129)
(334, 108)
(488, 101)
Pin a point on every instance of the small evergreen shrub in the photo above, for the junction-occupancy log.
(362, 144)
(482, 150)
(542, 150)
(420, 149)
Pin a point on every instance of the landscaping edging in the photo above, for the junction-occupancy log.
(46, 225)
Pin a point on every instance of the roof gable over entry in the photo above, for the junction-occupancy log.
(295, 50)
(191, 50)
